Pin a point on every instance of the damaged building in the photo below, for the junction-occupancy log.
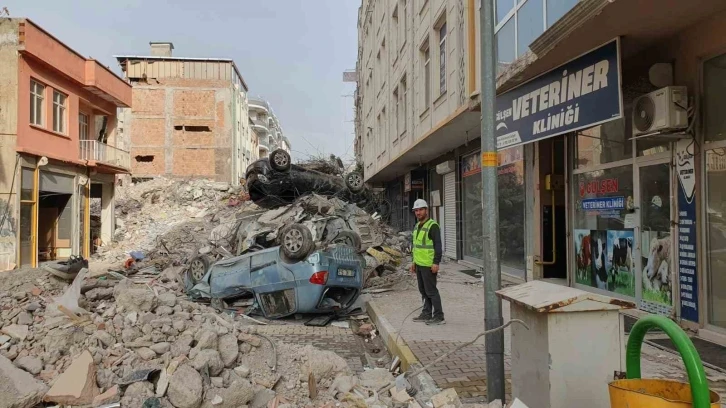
(58, 126)
(266, 127)
(189, 117)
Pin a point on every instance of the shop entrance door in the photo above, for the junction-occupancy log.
(653, 250)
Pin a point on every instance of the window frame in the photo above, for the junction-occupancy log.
(425, 50)
(36, 97)
(86, 124)
(61, 109)
(442, 28)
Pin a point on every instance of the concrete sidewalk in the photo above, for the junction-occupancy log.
(463, 303)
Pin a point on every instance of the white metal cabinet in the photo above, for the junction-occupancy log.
(573, 346)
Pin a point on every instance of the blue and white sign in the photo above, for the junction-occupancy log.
(605, 203)
(581, 93)
(687, 237)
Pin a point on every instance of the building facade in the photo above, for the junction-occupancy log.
(610, 140)
(267, 127)
(58, 127)
(189, 117)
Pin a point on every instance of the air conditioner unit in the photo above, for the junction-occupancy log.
(661, 111)
(445, 167)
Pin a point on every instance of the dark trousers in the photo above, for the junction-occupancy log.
(429, 292)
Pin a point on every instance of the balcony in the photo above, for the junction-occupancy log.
(258, 105)
(94, 151)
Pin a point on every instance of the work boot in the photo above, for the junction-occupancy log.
(422, 318)
(436, 321)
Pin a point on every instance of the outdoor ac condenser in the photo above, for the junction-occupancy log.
(662, 111)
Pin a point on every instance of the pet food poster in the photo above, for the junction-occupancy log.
(656, 259)
(604, 260)
(687, 245)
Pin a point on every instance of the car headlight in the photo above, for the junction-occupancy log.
(262, 178)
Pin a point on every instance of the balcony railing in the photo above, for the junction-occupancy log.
(93, 150)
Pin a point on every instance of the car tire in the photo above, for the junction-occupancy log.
(296, 242)
(354, 182)
(280, 160)
(350, 238)
(198, 267)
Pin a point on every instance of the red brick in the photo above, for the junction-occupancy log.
(148, 132)
(148, 101)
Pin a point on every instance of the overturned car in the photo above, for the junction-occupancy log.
(274, 181)
(283, 280)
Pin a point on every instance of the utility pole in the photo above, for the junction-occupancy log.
(490, 208)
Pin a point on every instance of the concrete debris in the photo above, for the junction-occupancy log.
(446, 399)
(77, 385)
(134, 337)
(18, 389)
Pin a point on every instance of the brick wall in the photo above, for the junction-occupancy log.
(148, 132)
(187, 130)
(194, 162)
(148, 101)
(156, 167)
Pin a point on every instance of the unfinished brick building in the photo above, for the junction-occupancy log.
(189, 117)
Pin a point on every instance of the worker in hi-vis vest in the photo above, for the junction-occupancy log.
(426, 258)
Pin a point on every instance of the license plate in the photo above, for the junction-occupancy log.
(346, 272)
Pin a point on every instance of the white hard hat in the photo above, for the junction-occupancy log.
(420, 203)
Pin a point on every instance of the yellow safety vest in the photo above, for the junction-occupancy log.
(423, 247)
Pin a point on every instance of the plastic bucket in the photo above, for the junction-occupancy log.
(652, 393)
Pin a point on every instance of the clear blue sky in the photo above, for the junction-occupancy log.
(291, 52)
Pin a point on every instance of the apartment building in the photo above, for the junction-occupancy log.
(267, 127)
(190, 116)
(609, 129)
(58, 146)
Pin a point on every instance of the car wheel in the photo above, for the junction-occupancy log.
(350, 238)
(198, 267)
(354, 182)
(280, 160)
(296, 242)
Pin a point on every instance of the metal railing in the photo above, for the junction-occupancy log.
(93, 150)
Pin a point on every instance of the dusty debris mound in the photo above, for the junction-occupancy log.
(171, 222)
(138, 341)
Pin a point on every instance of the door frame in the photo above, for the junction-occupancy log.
(639, 164)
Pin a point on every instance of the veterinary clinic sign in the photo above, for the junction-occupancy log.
(687, 237)
(581, 93)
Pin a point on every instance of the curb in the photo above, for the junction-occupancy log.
(397, 346)
(394, 343)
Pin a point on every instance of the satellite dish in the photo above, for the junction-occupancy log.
(82, 180)
(43, 161)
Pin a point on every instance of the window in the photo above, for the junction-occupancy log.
(503, 7)
(442, 59)
(403, 6)
(395, 34)
(402, 106)
(529, 24)
(426, 58)
(396, 112)
(557, 8)
(37, 92)
(83, 126)
(506, 47)
(714, 87)
(59, 112)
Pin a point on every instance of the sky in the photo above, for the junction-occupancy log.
(290, 52)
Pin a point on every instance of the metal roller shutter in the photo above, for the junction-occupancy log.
(450, 215)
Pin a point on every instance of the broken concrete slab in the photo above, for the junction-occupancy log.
(134, 298)
(18, 388)
(16, 331)
(228, 349)
(111, 395)
(33, 365)
(77, 385)
(447, 398)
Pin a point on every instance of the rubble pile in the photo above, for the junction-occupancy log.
(172, 221)
(143, 345)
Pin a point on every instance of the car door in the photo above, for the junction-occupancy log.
(273, 284)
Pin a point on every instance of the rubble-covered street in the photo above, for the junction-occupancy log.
(126, 332)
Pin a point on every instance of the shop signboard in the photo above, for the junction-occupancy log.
(471, 165)
(687, 237)
(581, 93)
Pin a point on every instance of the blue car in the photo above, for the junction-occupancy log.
(325, 281)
